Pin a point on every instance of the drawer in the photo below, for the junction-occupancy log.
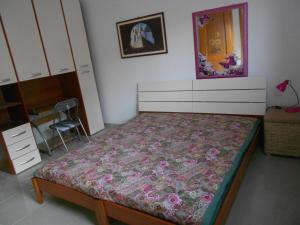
(21, 148)
(26, 161)
(17, 134)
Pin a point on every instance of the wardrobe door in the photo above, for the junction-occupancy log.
(7, 72)
(54, 35)
(24, 39)
(79, 44)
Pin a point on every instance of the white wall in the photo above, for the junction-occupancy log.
(273, 47)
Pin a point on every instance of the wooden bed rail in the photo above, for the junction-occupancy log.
(103, 209)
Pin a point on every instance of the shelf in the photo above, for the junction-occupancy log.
(10, 124)
(7, 105)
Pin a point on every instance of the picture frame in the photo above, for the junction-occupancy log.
(221, 42)
(142, 36)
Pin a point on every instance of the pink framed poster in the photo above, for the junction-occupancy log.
(221, 42)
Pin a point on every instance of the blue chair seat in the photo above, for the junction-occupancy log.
(60, 127)
(70, 123)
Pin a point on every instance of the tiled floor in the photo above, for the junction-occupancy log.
(269, 195)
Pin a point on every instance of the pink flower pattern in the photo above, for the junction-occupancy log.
(108, 178)
(207, 198)
(174, 199)
(166, 164)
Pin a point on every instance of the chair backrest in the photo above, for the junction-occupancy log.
(65, 106)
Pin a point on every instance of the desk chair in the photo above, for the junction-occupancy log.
(67, 120)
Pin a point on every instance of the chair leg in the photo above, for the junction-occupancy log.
(44, 139)
(48, 147)
(62, 140)
(83, 129)
(53, 133)
(78, 133)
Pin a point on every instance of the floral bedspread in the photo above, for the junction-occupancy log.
(169, 165)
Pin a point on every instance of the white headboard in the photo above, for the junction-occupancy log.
(244, 96)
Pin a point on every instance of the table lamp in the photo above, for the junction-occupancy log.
(282, 87)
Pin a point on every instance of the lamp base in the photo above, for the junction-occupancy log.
(292, 109)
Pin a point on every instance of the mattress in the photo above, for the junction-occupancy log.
(174, 166)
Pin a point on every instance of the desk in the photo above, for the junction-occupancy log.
(36, 120)
(20, 100)
(42, 116)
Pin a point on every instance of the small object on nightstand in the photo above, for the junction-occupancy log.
(292, 109)
(282, 87)
(282, 132)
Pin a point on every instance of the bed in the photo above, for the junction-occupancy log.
(161, 167)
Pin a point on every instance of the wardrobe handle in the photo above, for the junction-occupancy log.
(21, 149)
(84, 72)
(4, 80)
(83, 66)
(63, 69)
(27, 161)
(18, 134)
(36, 75)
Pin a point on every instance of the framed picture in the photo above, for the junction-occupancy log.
(221, 42)
(142, 36)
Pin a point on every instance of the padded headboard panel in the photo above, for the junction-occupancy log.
(244, 96)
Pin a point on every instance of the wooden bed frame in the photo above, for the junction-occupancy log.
(105, 209)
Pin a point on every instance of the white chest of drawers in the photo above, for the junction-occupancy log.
(21, 149)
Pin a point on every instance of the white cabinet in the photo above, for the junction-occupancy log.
(24, 40)
(90, 100)
(54, 35)
(7, 73)
(77, 32)
(21, 147)
(83, 64)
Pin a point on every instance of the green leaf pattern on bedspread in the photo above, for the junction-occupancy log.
(169, 165)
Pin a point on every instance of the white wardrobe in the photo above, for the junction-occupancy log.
(41, 38)
(24, 39)
(7, 73)
(83, 62)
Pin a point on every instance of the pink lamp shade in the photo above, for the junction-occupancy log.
(283, 85)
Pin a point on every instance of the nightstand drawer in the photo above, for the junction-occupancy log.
(21, 148)
(17, 134)
(26, 161)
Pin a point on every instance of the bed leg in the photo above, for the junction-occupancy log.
(38, 193)
(101, 213)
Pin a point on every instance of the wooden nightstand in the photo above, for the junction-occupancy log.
(282, 132)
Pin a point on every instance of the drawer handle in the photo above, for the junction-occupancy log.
(84, 72)
(83, 66)
(64, 69)
(18, 134)
(4, 80)
(23, 148)
(28, 161)
(36, 75)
